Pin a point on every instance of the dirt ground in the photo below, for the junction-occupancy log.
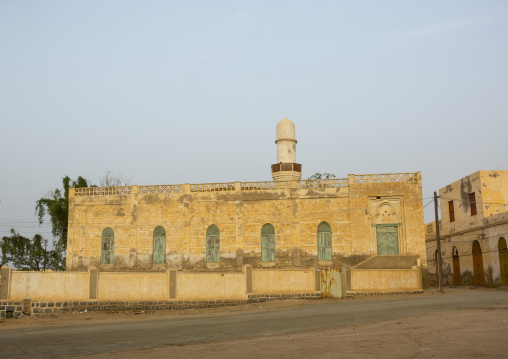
(449, 334)
(468, 334)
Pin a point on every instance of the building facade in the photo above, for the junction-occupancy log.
(286, 223)
(473, 231)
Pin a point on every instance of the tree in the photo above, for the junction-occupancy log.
(22, 252)
(56, 205)
(110, 180)
(318, 175)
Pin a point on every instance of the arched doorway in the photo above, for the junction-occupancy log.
(437, 266)
(503, 260)
(479, 276)
(456, 267)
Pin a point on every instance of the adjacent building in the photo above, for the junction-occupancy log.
(473, 230)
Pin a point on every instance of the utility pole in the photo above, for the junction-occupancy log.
(438, 240)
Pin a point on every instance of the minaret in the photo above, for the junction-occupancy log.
(286, 168)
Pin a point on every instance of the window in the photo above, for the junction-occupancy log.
(108, 246)
(472, 203)
(267, 243)
(159, 245)
(212, 244)
(324, 239)
(451, 211)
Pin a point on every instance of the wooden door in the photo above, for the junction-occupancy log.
(387, 240)
(479, 276)
(456, 267)
(503, 260)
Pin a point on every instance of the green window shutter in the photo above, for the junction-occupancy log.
(268, 243)
(108, 246)
(213, 244)
(159, 245)
(324, 242)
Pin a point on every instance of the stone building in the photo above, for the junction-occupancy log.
(473, 231)
(285, 223)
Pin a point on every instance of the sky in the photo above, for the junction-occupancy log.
(169, 92)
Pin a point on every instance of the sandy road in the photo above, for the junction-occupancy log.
(463, 324)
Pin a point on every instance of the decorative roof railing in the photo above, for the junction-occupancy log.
(102, 191)
(249, 186)
(212, 187)
(169, 188)
(264, 185)
(387, 177)
(324, 183)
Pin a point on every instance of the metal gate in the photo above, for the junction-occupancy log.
(331, 284)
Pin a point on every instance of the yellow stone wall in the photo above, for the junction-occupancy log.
(294, 208)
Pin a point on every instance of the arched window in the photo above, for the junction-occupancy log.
(212, 244)
(503, 260)
(108, 246)
(324, 242)
(267, 243)
(159, 245)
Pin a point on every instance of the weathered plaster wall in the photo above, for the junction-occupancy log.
(191, 285)
(48, 285)
(150, 285)
(283, 281)
(494, 192)
(294, 208)
(384, 279)
(133, 285)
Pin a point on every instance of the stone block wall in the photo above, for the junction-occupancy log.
(15, 309)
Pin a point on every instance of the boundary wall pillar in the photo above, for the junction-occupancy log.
(5, 281)
(93, 283)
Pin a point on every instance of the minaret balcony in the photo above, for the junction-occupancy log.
(294, 167)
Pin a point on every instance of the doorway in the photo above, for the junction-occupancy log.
(479, 276)
(456, 267)
(503, 260)
(387, 240)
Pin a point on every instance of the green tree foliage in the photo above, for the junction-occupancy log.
(22, 252)
(318, 175)
(56, 205)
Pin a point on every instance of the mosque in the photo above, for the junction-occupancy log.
(281, 224)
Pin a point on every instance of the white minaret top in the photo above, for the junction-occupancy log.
(286, 141)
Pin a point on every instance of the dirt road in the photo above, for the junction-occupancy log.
(462, 324)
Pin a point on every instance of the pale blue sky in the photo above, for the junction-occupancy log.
(190, 92)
